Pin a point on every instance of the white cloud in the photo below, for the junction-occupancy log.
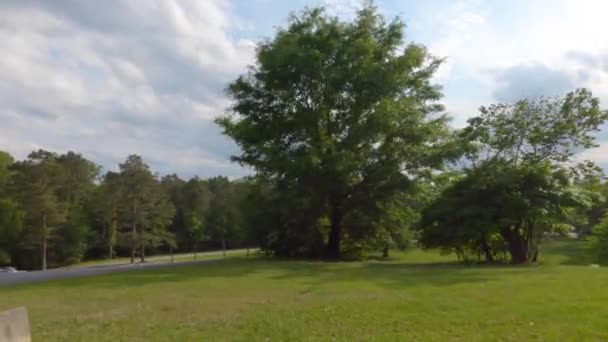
(520, 48)
(532, 32)
(113, 77)
(117, 77)
(342, 8)
(598, 154)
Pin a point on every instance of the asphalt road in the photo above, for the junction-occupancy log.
(12, 279)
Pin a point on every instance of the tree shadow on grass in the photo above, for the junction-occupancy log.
(571, 252)
(390, 275)
(399, 274)
(395, 273)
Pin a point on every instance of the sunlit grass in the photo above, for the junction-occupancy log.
(415, 296)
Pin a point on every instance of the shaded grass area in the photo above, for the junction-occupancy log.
(567, 252)
(415, 296)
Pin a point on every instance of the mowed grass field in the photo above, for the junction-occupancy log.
(414, 296)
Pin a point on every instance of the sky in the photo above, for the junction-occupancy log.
(116, 77)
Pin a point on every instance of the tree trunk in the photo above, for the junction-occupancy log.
(110, 251)
(489, 256)
(111, 238)
(487, 250)
(44, 242)
(195, 246)
(385, 252)
(516, 244)
(247, 251)
(518, 253)
(171, 253)
(335, 230)
(105, 232)
(223, 245)
(143, 252)
(133, 233)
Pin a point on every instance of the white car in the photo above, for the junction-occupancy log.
(8, 270)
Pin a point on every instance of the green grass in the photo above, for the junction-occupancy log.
(416, 296)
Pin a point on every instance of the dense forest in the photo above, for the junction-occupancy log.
(353, 154)
(58, 209)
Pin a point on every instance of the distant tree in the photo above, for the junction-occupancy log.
(37, 181)
(252, 193)
(342, 112)
(6, 161)
(11, 226)
(196, 211)
(75, 190)
(263, 211)
(145, 208)
(174, 186)
(155, 231)
(79, 175)
(11, 215)
(223, 219)
(104, 207)
(137, 185)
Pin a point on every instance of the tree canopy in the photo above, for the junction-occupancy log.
(56, 210)
(521, 179)
(342, 113)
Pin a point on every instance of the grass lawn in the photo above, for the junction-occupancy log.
(416, 296)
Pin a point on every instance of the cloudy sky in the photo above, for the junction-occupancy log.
(114, 77)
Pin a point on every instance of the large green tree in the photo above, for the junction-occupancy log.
(501, 208)
(343, 110)
(522, 178)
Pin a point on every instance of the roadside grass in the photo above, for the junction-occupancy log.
(415, 295)
(167, 258)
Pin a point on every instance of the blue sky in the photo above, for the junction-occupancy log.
(126, 76)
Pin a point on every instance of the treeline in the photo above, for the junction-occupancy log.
(353, 155)
(57, 209)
